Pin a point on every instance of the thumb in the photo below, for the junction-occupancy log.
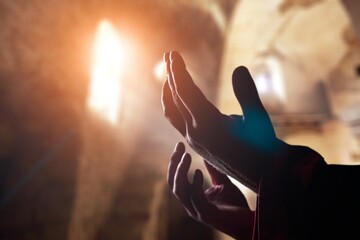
(248, 97)
(206, 212)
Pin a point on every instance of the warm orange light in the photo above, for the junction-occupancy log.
(160, 71)
(107, 67)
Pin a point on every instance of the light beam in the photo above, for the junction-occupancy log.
(107, 69)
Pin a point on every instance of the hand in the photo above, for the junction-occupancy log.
(222, 206)
(240, 146)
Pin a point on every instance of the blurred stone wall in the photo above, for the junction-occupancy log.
(46, 135)
(43, 85)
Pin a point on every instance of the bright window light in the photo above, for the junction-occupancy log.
(107, 69)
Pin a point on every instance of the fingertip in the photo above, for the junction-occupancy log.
(185, 162)
(177, 60)
(186, 158)
(174, 55)
(240, 72)
(180, 147)
(244, 87)
(198, 178)
(166, 56)
(198, 174)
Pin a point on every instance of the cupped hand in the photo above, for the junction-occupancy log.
(222, 206)
(241, 146)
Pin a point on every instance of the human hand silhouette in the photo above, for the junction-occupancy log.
(222, 206)
(240, 146)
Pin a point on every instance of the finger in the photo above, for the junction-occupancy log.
(234, 221)
(166, 58)
(217, 178)
(247, 95)
(175, 98)
(181, 187)
(205, 211)
(191, 96)
(174, 162)
(171, 111)
(170, 78)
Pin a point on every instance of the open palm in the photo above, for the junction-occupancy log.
(240, 146)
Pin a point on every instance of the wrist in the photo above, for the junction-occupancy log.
(300, 161)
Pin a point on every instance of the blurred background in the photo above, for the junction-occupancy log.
(84, 146)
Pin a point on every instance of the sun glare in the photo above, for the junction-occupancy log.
(160, 71)
(105, 86)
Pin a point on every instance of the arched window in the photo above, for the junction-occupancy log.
(269, 81)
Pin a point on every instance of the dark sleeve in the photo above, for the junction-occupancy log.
(332, 204)
(305, 198)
